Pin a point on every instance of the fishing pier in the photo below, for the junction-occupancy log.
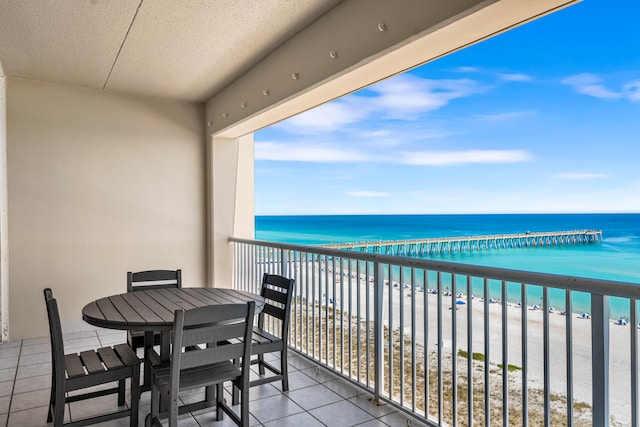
(453, 245)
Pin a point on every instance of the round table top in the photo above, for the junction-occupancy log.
(153, 310)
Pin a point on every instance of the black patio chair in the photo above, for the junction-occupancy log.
(146, 280)
(277, 292)
(222, 334)
(71, 372)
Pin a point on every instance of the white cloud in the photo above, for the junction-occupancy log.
(304, 153)
(327, 153)
(402, 97)
(330, 116)
(504, 117)
(447, 158)
(514, 77)
(368, 194)
(406, 96)
(579, 176)
(632, 90)
(590, 84)
(467, 69)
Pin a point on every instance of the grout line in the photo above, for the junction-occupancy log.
(13, 387)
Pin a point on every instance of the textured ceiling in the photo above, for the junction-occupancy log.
(170, 48)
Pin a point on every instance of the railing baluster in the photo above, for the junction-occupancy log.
(390, 331)
(600, 358)
(439, 308)
(569, 348)
(378, 337)
(633, 322)
(524, 308)
(505, 358)
(547, 360)
(350, 317)
(358, 320)
(454, 352)
(487, 368)
(469, 352)
(401, 335)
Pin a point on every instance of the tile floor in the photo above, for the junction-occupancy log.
(316, 396)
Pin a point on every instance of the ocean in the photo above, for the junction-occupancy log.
(617, 257)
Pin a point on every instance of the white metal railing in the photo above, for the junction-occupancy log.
(395, 326)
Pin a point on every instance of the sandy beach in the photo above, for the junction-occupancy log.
(581, 334)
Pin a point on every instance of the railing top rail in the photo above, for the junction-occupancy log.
(580, 284)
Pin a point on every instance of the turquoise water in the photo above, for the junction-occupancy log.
(616, 258)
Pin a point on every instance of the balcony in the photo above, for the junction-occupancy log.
(377, 339)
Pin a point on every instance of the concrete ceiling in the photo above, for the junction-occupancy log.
(178, 49)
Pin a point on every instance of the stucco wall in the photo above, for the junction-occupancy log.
(99, 184)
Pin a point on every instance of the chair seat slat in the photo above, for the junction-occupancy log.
(261, 336)
(74, 366)
(92, 362)
(109, 358)
(128, 356)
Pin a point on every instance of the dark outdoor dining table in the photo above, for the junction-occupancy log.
(153, 310)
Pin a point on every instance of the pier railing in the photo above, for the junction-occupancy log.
(464, 244)
(458, 344)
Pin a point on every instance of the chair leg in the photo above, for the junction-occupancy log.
(155, 403)
(219, 401)
(173, 409)
(284, 368)
(235, 396)
(58, 408)
(244, 407)
(135, 396)
(261, 364)
(52, 398)
(121, 388)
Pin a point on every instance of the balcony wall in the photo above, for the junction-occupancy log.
(99, 184)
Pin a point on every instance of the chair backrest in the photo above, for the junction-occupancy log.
(153, 279)
(55, 333)
(224, 329)
(277, 292)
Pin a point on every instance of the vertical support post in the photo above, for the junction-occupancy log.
(4, 219)
(378, 335)
(600, 358)
(230, 206)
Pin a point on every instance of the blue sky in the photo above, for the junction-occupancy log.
(543, 118)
